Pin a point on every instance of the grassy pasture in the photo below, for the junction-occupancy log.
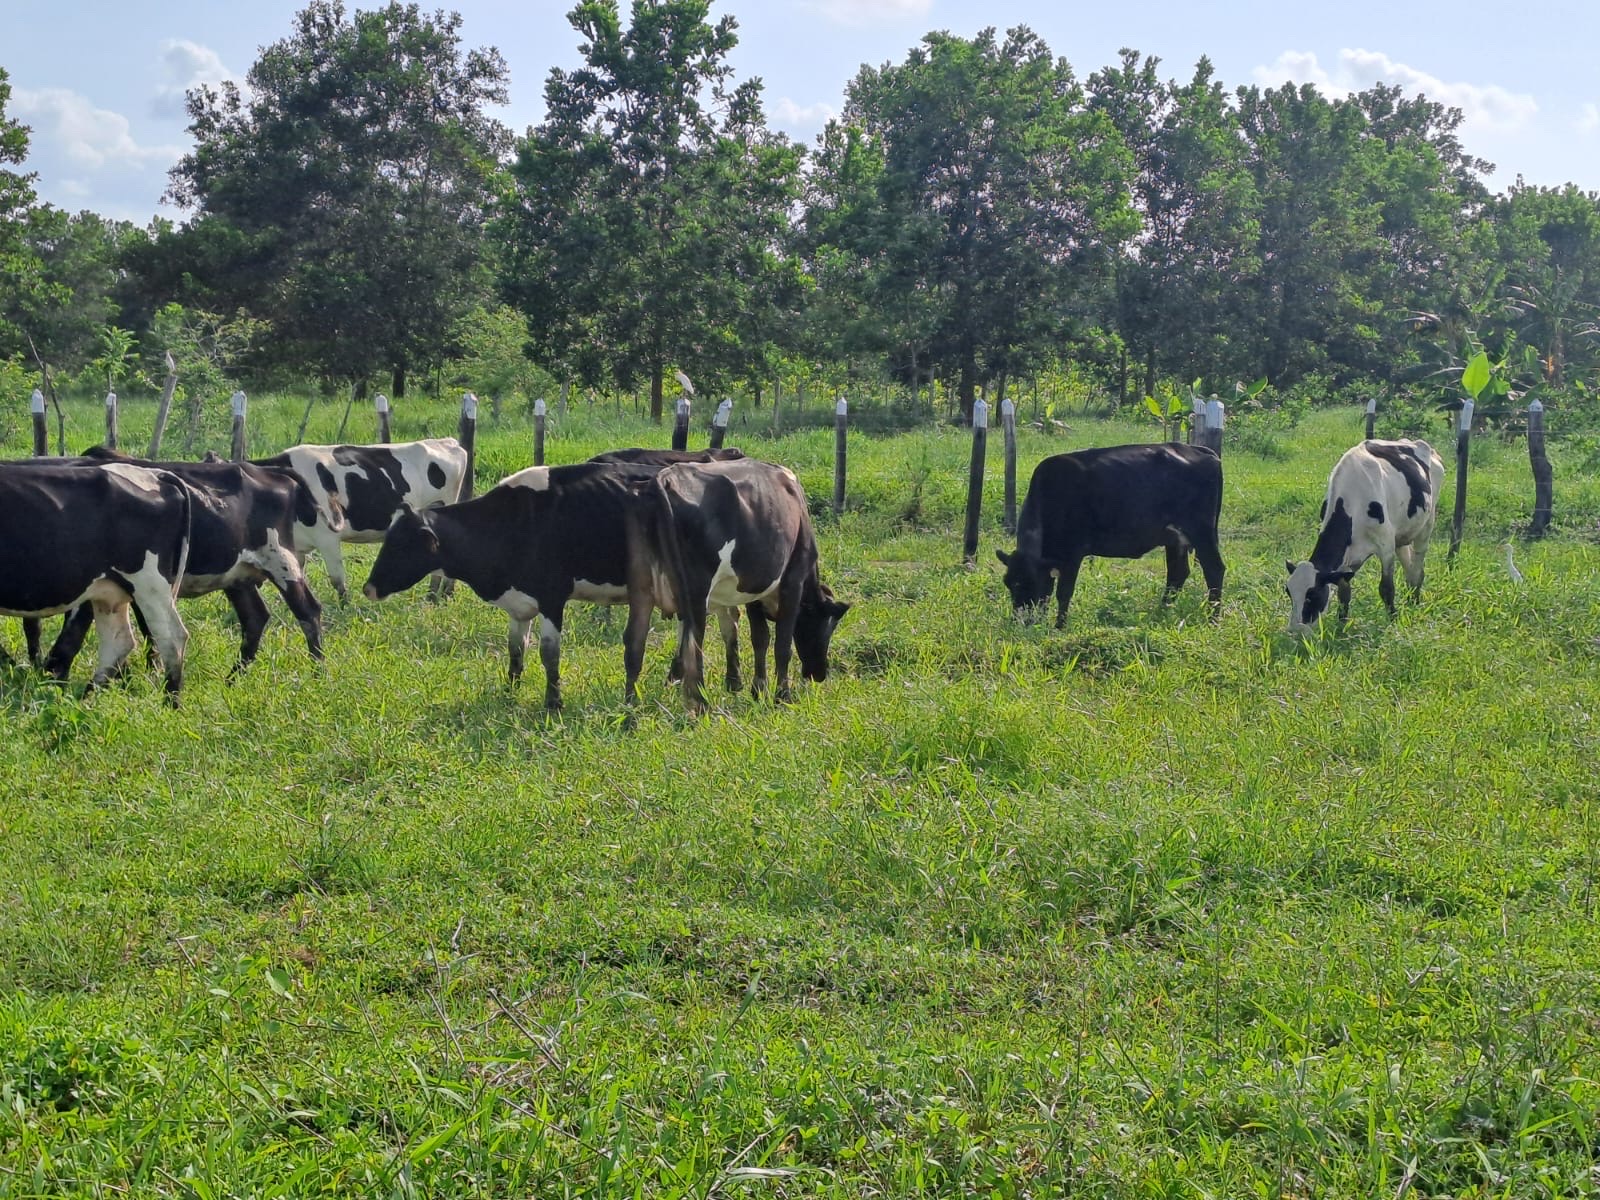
(1147, 907)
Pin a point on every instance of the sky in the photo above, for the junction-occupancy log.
(101, 82)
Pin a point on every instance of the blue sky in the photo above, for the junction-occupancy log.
(101, 81)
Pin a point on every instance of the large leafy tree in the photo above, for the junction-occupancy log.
(18, 262)
(648, 216)
(343, 195)
(968, 194)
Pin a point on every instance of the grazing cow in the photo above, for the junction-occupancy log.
(744, 537)
(1382, 499)
(368, 486)
(645, 457)
(535, 541)
(243, 534)
(1115, 502)
(103, 536)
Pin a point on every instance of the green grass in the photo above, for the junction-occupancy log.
(1147, 907)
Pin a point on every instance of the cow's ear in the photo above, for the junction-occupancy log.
(1288, 566)
(837, 609)
(1005, 559)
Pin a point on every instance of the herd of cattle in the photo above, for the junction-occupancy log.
(690, 534)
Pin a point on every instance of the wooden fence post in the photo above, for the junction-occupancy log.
(1216, 418)
(1008, 425)
(719, 424)
(111, 420)
(538, 432)
(980, 446)
(680, 425)
(381, 403)
(841, 420)
(1463, 445)
(1543, 476)
(1197, 422)
(1372, 415)
(468, 436)
(41, 432)
(164, 407)
(238, 447)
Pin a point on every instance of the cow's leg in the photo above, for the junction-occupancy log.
(332, 552)
(1412, 558)
(1209, 556)
(253, 616)
(517, 646)
(149, 642)
(1066, 583)
(158, 614)
(1344, 599)
(74, 628)
(116, 640)
(550, 656)
(783, 640)
(1177, 567)
(728, 625)
(30, 635)
(288, 575)
(634, 636)
(1386, 581)
(760, 640)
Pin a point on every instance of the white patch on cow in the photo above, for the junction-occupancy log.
(665, 597)
(273, 560)
(519, 604)
(599, 593)
(549, 635)
(535, 479)
(724, 590)
(142, 478)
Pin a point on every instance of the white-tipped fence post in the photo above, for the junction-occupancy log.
(1372, 416)
(41, 433)
(381, 403)
(841, 422)
(111, 420)
(680, 425)
(1463, 446)
(164, 407)
(980, 446)
(1008, 426)
(719, 424)
(468, 436)
(539, 413)
(1543, 476)
(1216, 418)
(236, 449)
(1197, 422)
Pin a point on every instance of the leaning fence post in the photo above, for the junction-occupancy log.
(680, 425)
(1372, 415)
(468, 435)
(1463, 445)
(1008, 425)
(719, 424)
(841, 420)
(1543, 476)
(41, 432)
(237, 449)
(538, 432)
(164, 407)
(381, 402)
(1216, 417)
(980, 445)
(111, 420)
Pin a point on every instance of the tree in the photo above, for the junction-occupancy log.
(968, 194)
(17, 262)
(351, 186)
(644, 232)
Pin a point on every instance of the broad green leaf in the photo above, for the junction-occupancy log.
(1153, 407)
(1475, 374)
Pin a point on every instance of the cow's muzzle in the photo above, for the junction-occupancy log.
(370, 592)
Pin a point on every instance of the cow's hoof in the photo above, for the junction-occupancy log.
(735, 685)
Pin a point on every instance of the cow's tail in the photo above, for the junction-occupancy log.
(186, 529)
(661, 533)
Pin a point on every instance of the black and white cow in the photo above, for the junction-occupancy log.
(1115, 502)
(744, 538)
(243, 534)
(646, 457)
(1382, 500)
(536, 541)
(104, 536)
(369, 486)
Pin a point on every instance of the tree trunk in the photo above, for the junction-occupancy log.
(1150, 370)
(398, 386)
(655, 393)
(1122, 377)
(966, 389)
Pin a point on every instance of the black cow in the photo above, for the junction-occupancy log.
(243, 534)
(1115, 502)
(645, 457)
(103, 536)
(744, 537)
(368, 486)
(535, 541)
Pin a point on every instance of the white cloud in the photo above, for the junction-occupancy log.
(1483, 106)
(185, 65)
(786, 114)
(869, 12)
(89, 138)
(1588, 122)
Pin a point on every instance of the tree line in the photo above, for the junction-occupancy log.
(975, 215)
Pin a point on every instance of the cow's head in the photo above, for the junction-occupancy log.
(813, 629)
(410, 551)
(1308, 594)
(1029, 579)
